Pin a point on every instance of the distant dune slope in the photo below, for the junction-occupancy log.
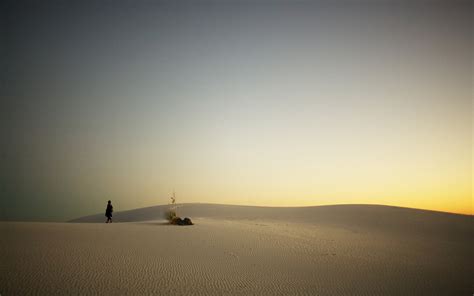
(370, 217)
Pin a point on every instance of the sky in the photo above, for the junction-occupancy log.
(270, 103)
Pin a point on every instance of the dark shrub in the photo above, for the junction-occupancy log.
(179, 221)
(187, 221)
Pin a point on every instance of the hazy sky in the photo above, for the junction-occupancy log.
(278, 103)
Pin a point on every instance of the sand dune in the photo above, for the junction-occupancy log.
(237, 250)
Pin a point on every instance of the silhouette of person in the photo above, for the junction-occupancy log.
(108, 212)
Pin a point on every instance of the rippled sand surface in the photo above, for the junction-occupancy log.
(360, 251)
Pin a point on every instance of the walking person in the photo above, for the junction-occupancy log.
(108, 212)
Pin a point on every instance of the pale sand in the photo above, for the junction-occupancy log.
(333, 250)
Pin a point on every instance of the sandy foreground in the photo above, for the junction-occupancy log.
(333, 250)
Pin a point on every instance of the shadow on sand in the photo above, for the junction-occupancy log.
(156, 223)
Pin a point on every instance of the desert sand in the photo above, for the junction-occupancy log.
(239, 250)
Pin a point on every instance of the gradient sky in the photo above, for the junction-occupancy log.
(281, 103)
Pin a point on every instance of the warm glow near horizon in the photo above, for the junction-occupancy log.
(269, 105)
